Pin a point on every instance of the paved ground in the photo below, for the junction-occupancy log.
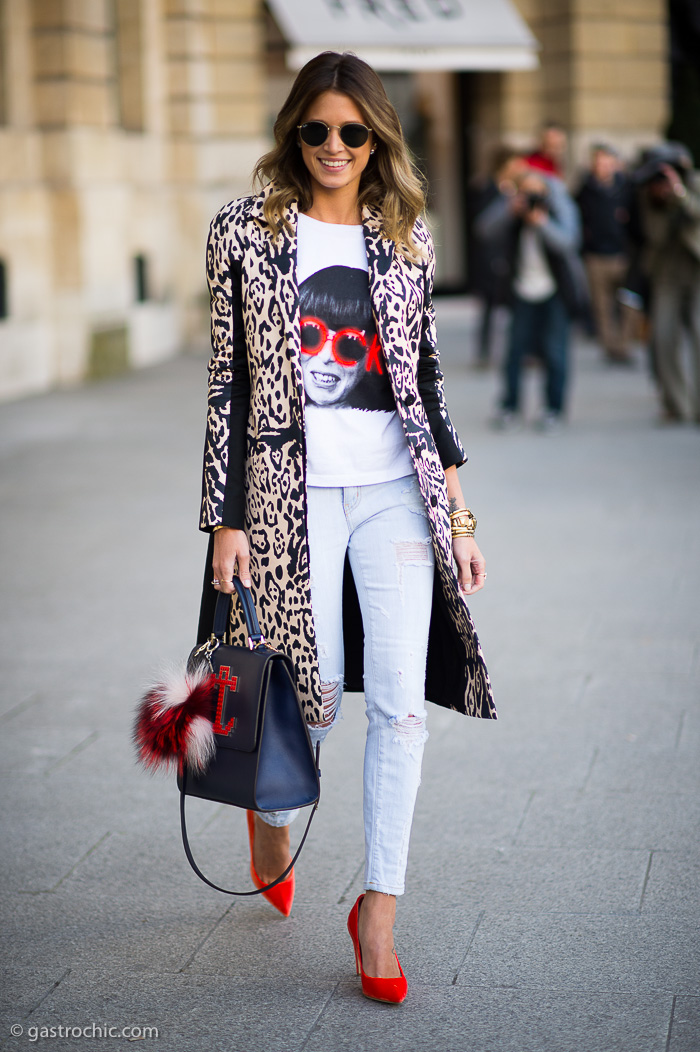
(553, 881)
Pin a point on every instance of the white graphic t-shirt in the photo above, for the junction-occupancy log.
(353, 431)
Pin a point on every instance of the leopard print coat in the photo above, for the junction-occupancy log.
(256, 417)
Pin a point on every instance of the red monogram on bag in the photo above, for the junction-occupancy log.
(225, 682)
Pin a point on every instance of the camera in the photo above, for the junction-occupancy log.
(658, 175)
(536, 201)
(651, 168)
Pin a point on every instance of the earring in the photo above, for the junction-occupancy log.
(372, 150)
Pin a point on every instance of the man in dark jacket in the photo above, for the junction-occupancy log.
(539, 224)
(604, 202)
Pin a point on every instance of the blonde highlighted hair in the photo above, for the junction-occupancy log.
(390, 182)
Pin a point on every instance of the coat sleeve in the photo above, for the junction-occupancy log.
(223, 485)
(561, 231)
(431, 383)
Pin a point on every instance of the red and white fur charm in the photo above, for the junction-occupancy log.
(173, 723)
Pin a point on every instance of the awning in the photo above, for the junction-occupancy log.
(409, 34)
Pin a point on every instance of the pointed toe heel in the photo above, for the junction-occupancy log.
(282, 895)
(388, 990)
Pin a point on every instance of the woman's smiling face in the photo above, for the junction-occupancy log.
(333, 165)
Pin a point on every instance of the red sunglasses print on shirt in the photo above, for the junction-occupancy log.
(348, 346)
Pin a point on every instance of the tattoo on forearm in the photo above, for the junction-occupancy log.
(453, 504)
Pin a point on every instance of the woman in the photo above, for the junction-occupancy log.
(332, 504)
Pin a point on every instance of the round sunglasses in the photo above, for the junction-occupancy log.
(348, 346)
(352, 135)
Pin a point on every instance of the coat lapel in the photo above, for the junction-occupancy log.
(281, 255)
(380, 256)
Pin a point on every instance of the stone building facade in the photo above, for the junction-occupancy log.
(125, 124)
(603, 74)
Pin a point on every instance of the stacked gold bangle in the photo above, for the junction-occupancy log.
(462, 523)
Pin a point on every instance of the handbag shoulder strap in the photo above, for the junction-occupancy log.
(256, 891)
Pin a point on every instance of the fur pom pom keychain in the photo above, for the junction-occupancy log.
(173, 723)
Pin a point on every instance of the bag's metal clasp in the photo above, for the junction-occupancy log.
(205, 651)
(254, 643)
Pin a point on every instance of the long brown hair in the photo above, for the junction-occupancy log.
(390, 182)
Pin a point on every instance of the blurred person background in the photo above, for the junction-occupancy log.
(488, 260)
(604, 202)
(667, 229)
(550, 155)
(537, 222)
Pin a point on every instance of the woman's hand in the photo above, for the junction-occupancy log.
(231, 555)
(471, 566)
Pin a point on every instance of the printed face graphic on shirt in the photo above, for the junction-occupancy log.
(330, 373)
(341, 356)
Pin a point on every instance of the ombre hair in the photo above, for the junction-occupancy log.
(390, 182)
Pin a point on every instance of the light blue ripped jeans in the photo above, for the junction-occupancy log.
(384, 528)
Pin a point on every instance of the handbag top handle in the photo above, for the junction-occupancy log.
(222, 614)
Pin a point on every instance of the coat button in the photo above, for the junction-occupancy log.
(409, 399)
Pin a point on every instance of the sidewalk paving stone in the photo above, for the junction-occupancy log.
(454, 1019)
(595, 951)
(655, 821)
(685, 1025)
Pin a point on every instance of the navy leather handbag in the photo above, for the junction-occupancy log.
(263, 758)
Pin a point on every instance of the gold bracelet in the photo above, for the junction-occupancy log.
(462, 523)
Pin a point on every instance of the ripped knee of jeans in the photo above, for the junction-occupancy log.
(331, 692)
(410, 731)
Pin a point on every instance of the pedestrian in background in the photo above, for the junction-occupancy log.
(550, 155)
(488, 265)
(539, 224)
(668, 209)
(330, 471)
(604, 203)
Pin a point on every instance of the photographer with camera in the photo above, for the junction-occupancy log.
(668, 225)
(539, 224)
